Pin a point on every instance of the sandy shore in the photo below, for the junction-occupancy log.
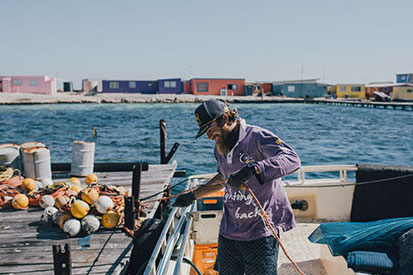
(18, 98)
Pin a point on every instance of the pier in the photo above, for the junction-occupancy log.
(365, 104)
(26, 242)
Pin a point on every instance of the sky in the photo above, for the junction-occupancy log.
(353, 41)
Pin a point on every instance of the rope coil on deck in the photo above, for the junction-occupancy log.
(7, 173)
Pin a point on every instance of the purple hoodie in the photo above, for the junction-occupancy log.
(275, 159)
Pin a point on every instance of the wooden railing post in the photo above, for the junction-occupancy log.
(62, 259)
(163, 137)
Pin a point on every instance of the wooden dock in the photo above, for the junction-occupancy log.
(26, 242)
(365, 104)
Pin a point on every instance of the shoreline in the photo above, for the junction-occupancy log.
(72, 98)
(117, 98)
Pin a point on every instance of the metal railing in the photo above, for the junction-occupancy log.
(341, 169)
(178, 219)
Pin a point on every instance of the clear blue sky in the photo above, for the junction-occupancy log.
(355, 41)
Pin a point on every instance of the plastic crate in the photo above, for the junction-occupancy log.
(204, 258)
(213, 201)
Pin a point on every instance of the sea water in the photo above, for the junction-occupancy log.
(320, 134)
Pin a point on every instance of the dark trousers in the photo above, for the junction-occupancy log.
(257, 257)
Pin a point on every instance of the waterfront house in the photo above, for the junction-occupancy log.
(187, 86)
(251, 88)
(349, 90)
(395, 91)
(28, 84)
(170, 86)
(299, 88)
(403, 92)
(404, 78)
(216, 86)
(130, 86)
(383, 87)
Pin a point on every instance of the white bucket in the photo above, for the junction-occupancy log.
(83, 157)
(37, 164)
(10, 155)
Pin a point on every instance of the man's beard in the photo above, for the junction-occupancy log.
(227, 140)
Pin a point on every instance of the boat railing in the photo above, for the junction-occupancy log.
(341, 169)
(179, 219)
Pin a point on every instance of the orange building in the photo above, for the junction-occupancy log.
(266, 87)
(216, 86)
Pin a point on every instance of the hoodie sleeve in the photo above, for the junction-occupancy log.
(278, 158)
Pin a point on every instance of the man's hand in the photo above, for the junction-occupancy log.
(184, 200)
(241, 177)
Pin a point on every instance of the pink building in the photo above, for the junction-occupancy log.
(28, 84)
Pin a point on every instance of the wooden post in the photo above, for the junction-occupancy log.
(62, 259)
(132, 203)
(130, 214)
(136, 180)
(163, 137)
(172, 152)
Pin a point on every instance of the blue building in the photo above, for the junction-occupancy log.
(129, 86)
(170, 86)
(299, 88)
(404, 78)
(162, 86)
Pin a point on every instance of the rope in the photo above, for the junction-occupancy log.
(267, 221)
(173, 186)
(257, 204)
(349, 184)
(6, 173)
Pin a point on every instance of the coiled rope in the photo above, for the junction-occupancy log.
(6, 173)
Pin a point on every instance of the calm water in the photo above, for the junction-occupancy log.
(130, 132)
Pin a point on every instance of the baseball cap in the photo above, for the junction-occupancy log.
(208, 112)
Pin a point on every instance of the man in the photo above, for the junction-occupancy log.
(256, 157)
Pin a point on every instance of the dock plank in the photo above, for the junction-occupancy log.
(26, 241)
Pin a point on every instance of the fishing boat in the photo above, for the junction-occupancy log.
(325, 194)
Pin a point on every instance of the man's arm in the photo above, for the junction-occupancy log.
(213, 185)
(280, 159)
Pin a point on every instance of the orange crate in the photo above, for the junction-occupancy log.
(204, 258)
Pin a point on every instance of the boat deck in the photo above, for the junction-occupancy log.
(26, 242)
(313, 259)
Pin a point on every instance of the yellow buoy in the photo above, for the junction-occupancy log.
(20, 201)
(110, 220)
(74, 181)
(79, 209)
(30, 186)
(91, 178)
(90, 195)
(76, 188)
(26, 181)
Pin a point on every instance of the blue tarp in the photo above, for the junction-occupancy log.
(373, 262)
(379, 236)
